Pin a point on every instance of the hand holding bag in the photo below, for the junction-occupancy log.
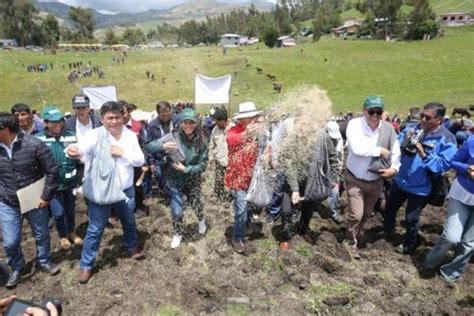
(102, 182)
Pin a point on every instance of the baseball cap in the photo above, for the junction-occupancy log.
(373, 102)
(80, 100)
(188, 114)
(333, 130)
(52, 114)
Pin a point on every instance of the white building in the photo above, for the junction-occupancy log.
(230, 40)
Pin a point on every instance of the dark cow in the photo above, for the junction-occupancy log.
(271, 77)
(259, 70)
(277, 87)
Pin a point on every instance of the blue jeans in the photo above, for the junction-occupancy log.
(333, 201)
(98, 216)
(177, 195)
(240, 215)
(415, 205)
(63, 207)
(275, 209)
(147, 186)
(159, 176)
(12, 221)
(458, 232)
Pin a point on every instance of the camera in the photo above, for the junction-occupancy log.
(412, 138)
(18, 306)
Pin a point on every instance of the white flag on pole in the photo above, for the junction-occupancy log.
(98, 95)
(212, 90)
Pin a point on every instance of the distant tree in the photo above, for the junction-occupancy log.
(84, 24)
(110, 38)
(50, 28)
(386, 13)
(133, 37)
(18, 20)
(270, 37)
(152, 34)
(422, 20)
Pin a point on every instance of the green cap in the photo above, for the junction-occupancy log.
(188, 114)
(373, 102)
(51, 113)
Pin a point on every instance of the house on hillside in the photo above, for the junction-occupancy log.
(230, 40)
(286, 41)
(456, 18)
(349, 28)
(8, 43)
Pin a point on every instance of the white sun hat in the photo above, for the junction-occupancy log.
(247, 109)
(333, 130)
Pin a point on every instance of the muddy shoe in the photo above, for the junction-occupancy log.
(76, 240)
(202, 226)
(401, 249)
(137, 254)
(65, 244)
(238, 247)
(84, 276)
(176, 241)
(338, 219)
(13, 279)
(50, 268)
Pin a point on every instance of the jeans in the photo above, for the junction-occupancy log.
(63, 208)
(275, 208)
(12, 220)
(241, 214)
(333, 201)
(179, 196)
(147, 185)
(159, 175)
(458, 232)
(415, 205)
(98, 216)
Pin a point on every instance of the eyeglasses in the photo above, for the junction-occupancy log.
(426, 117)
(377, 112)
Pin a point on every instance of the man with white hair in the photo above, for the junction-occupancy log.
(242, 144)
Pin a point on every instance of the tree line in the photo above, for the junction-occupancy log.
(20, 19)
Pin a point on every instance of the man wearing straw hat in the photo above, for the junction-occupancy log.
(243, 149)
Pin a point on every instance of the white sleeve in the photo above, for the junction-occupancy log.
(133, 154)
(396, 154)
(358, 142)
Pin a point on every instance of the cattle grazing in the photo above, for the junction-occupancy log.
(462, 111)
(277, 87)
(259, 70)
(271, 77)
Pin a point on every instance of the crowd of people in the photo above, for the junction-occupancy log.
(287, 165)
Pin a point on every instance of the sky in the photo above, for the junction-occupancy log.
(130, 6)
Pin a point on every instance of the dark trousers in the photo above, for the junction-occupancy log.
(219, 188)
(415, 204)
(289, 210)
(139, 196)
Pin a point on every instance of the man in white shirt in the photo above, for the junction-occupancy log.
(127, 153)
(369, 140)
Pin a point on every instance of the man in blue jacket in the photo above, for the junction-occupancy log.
(426, 149)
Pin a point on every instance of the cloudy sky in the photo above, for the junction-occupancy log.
(129, 5)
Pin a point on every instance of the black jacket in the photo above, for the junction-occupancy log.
(31, 160)
(70, 124)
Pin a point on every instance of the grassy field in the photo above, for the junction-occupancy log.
(403, 73)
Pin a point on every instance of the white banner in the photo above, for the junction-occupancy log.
(98, 95)
(212, 90)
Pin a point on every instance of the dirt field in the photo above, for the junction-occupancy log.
(205, 276)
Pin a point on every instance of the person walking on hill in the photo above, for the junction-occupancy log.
(374, 154)
(64, 203)
(25, 160)
(242, 145)
(113, 151)
(182, 173)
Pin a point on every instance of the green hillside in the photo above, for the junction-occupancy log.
(404, 73)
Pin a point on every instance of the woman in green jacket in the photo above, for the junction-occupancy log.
(186, 156)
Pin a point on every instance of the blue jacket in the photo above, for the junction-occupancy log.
(413, 175)
(154, 131)
(461, 161)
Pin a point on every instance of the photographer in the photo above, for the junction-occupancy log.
(30, 311)
(427, 150)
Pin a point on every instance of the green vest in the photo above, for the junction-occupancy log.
(67, 166)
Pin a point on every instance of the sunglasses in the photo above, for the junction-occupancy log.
(378, 112)
(426, 117)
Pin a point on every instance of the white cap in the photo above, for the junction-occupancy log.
(333, 130)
